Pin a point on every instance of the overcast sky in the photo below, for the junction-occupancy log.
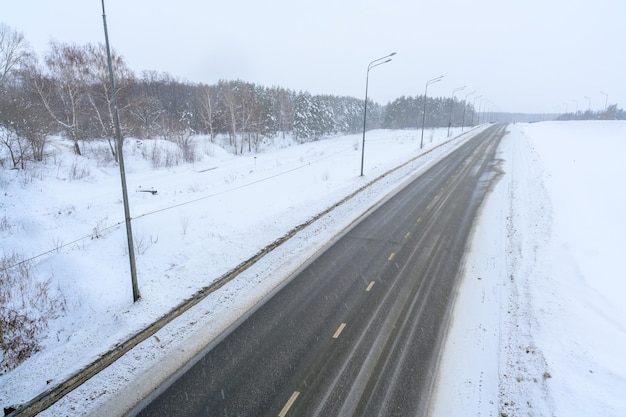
(522, 55)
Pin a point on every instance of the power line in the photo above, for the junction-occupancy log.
(93, 236)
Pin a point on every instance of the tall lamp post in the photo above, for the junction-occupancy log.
(575, 111)
(452, 107)
(487, 111)
(474, 107)
(429, 82)
(464, 107)
(480, 106)
(371, 65)
(118, 138)
(606, 101)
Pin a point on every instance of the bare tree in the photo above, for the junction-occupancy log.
(145, 105)
(248, 113)
(230, 96)
(14, 52)
(33, 122)
(15, 55)
(63, 90)
(98, 90)
(146, 111)
(207, 109)
(15, 145)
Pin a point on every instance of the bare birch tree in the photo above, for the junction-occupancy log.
(14, 52)
(15, 55)
(63, 90)
(98, 90)
(207, 109)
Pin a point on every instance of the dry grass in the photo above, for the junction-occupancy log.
(26, 305)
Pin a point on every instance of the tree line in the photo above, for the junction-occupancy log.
(612, 112)
(68, 93)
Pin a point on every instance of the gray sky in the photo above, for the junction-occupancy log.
(523, 55)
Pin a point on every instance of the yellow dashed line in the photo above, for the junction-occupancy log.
(369, 287)
(393, 254)
(287, 406)
(408, 235)
(419, 219)
(339, 330)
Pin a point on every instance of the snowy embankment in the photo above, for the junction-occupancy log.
(539, 327)
(203, 220)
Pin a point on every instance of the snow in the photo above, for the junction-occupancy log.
(204, 219)
(537, 311)
(539, 328)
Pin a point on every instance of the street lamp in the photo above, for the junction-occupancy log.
(474, 107)
(369, 67)
(120, 154)
(588, 104)
(606, 101)
(480, 106)
(429, 82)
(464, 107)
(487, 111)
(452, 107)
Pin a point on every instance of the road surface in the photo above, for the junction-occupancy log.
(358, 330)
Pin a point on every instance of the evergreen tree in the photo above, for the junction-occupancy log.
(302, 118)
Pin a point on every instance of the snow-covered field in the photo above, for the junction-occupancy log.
(538, 328)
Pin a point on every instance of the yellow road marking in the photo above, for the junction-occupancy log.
(369, 287)
(407, 235)
(287, 406)
(339, 330)
(393, 254)
(419, 219)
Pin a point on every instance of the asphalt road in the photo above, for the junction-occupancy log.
(358, 330)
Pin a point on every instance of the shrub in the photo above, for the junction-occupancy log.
(26, 305)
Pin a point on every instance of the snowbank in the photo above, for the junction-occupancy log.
(539, 327)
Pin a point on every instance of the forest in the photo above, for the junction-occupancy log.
(67, 93)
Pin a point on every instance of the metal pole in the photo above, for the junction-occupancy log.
(434, 80)
(369, 67)
(474, 107)
(120, 154)
(364, 119)
(480, 106)
(606, 101)
(452, 108)
(464, 107)
(588, 104)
